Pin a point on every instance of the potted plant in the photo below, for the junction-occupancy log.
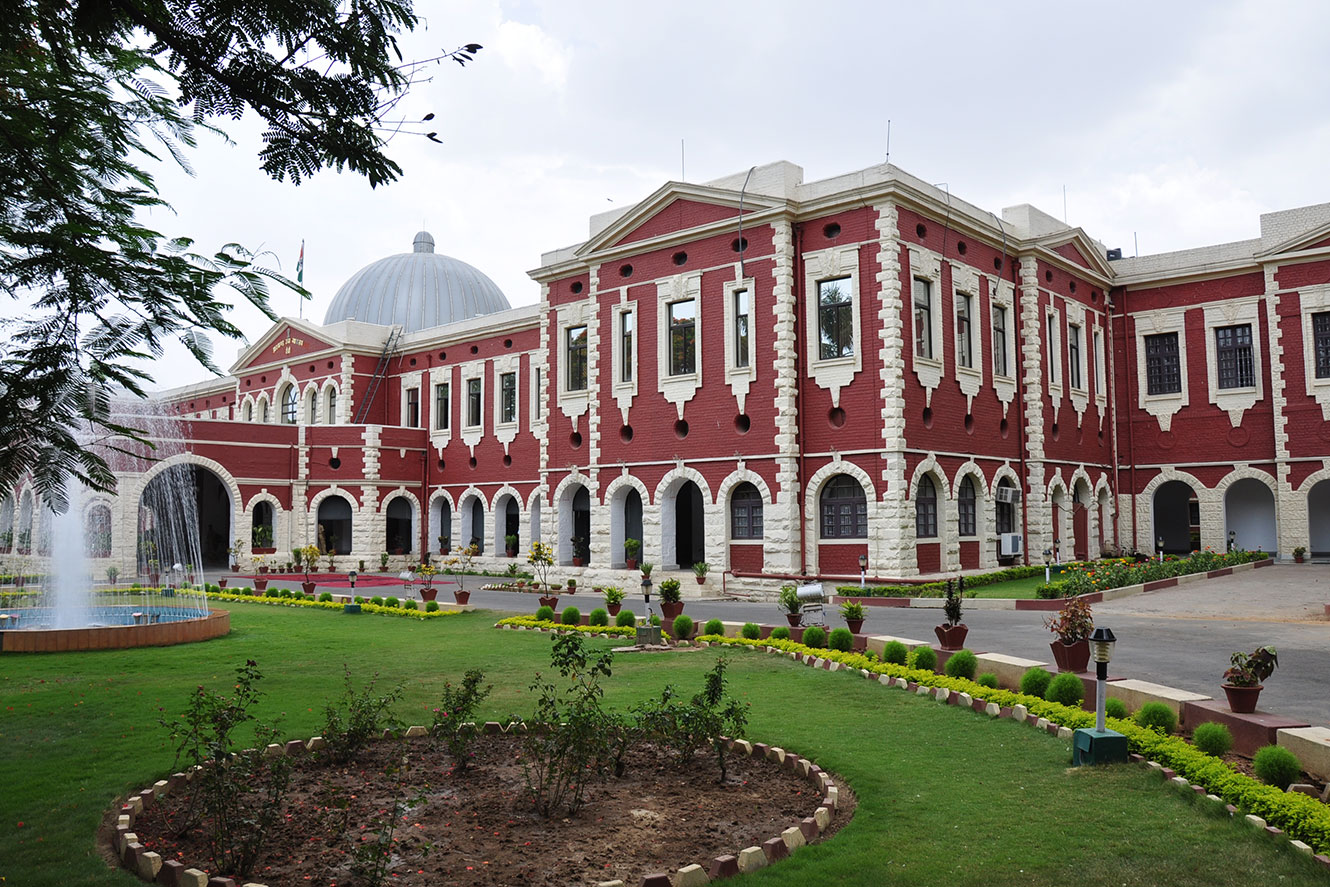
(308, 557)
(1245, 678)
(262, 539)
(646, 568)
(853, 614)
(572, 586)
(1299, 553)
(700, 570)
(670, 603)
(1073, 625)
(383, 561)
(541, 558)
(788, 602)
(951, 634)
(510, 545)
(613, 599)
(579, 551)
(631, 547)
(445, 545)
(465, 556)
(112, 574)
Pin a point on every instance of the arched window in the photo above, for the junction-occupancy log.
(334, 530)
(263, 410)
(844, 509)
(290, 405)
(966, 508)
(1004, 508)
(925, 509)
(398, 526)
(745, 512)
(261, 532)
(330, 406)
(314, 407)
(97, 531)
(247, 412)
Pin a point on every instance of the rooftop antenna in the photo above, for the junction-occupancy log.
(888, 140)
(1136, 244)
(742, 247)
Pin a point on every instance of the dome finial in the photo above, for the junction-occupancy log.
(423, 243)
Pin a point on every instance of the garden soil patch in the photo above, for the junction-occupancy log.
(479, 828)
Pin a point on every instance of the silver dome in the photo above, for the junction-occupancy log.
(417, 290)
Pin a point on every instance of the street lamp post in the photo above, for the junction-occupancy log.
(1232, 539)
(1057, 550)
(1048, 557)
(647, 634)
(1101, 649)
(1100, 745)
(1159, 548)
(352, 576)
(863, 570)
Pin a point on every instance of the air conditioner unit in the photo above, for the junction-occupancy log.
(1008, 494)
(1009, 545)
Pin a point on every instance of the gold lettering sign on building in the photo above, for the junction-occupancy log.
(286, 343)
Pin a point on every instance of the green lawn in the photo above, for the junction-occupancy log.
(1016, 588)
(946, 796)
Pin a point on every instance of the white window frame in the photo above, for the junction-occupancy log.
(965, 347)
(740, 379)
(406, 397)
(930, 341)
(1234, 312)
(1053, 347)
(1150, 323)
(1076, 375)
(832, 373)
(1097, 363)
(499, 375)
(467, 424)
(926, 265)
(446, 414)
(1314, 300)
(573, 404)
(566, 345)
(680, 389)
(994, 306)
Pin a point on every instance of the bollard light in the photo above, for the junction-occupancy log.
(1232, 539)
(863, 569)
(1101, 645)
(1101, 650)
(1100, 745)
(1159, 548)
(1057, 550)
(352, 576)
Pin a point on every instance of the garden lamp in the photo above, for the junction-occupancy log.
(1232, 539)
(1057, 550)
(352, 576)
(1048, 557)
(1101, 650)
(863, 569)
(1159, 548)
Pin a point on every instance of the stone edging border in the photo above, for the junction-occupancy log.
(150, 866)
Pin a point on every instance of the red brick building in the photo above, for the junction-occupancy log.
(777, 377)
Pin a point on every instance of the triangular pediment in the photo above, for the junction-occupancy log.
(676, 206)
(287, 339)
(1312, 238)
(1073, 245)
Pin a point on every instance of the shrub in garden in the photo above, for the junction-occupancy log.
(376, 601)
(359, 599)
(409, 604)
(272, 592)
(815, 636)
(1213, 739)
(1066, 689)
(1115, 708)
(895, 652)
(599, 616)
(571, 616)
(987, 679)
(684, 727)
(432, 607)
(922, 658)
(841, 639)
(1276, 766)
(545, 614)
(780, 633)
(751, 631)
(682, 628)
(326, 597)
(458, 707)
(962, 664)
(391, 602)
(714, 626)
(284, 592)
(625, 619)
(1157, 716)
(1035, 682)
(363, 715)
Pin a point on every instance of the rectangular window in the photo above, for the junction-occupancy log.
(1234, 354)
(1163, 373)
(413, 408)
(1054, 358)
(923, 318)
(741, 310)
(473, 403)
(442, 406)
(683, 337)
(536, 396)
(1000, 340)
(627, 319)
(1321, 343)
(1096, 349)
(577, 358)
(508, 397)
(964, 342)
(1074, 354)
(835, 318)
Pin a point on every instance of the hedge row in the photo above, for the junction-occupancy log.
(365, 607)
(1301, 816)
(1121, 572)
(533, 622)
(938, 589)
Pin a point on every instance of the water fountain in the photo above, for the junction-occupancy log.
(68, 610)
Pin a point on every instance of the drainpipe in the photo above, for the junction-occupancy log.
(1110, 373)
(1020, 407)
(1132, 384)
(800, 325)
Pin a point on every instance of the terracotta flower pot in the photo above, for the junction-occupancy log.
(951, 637)
(308, 587)
(613, 609)
(701, 580)
(260, 584)
(793, 619)
(630, 563)
(1074, 657)
(854, 625)
(1242, 700)
(429, 594)
(577, 562)
(221, 582)
(670, 611)
(461, 597)
(551, 601)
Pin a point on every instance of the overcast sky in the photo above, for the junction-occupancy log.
(1174, 123)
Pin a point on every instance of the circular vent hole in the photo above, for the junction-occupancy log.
(681, 429)
(413, 361)
(507, 460)
(997, 264)
(928, 417)
(330, 364)
(575, 439)
(625, 270)
(334, 463)
(969, 424)
(313, 368)
(472, 462)
(1055, 431)
(742, 423)
(739, 244)
(576, 287)
(507, 343)
(1073, 286)
(921, 231)
(249, 382)
(830, 231)
(263, 378)
(961, 247)
(836, 416)
(442, 465)
(443, 355)
(475, 349)
(1003, 428)
(1048, 276)
(680, 258)
(626, 433)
